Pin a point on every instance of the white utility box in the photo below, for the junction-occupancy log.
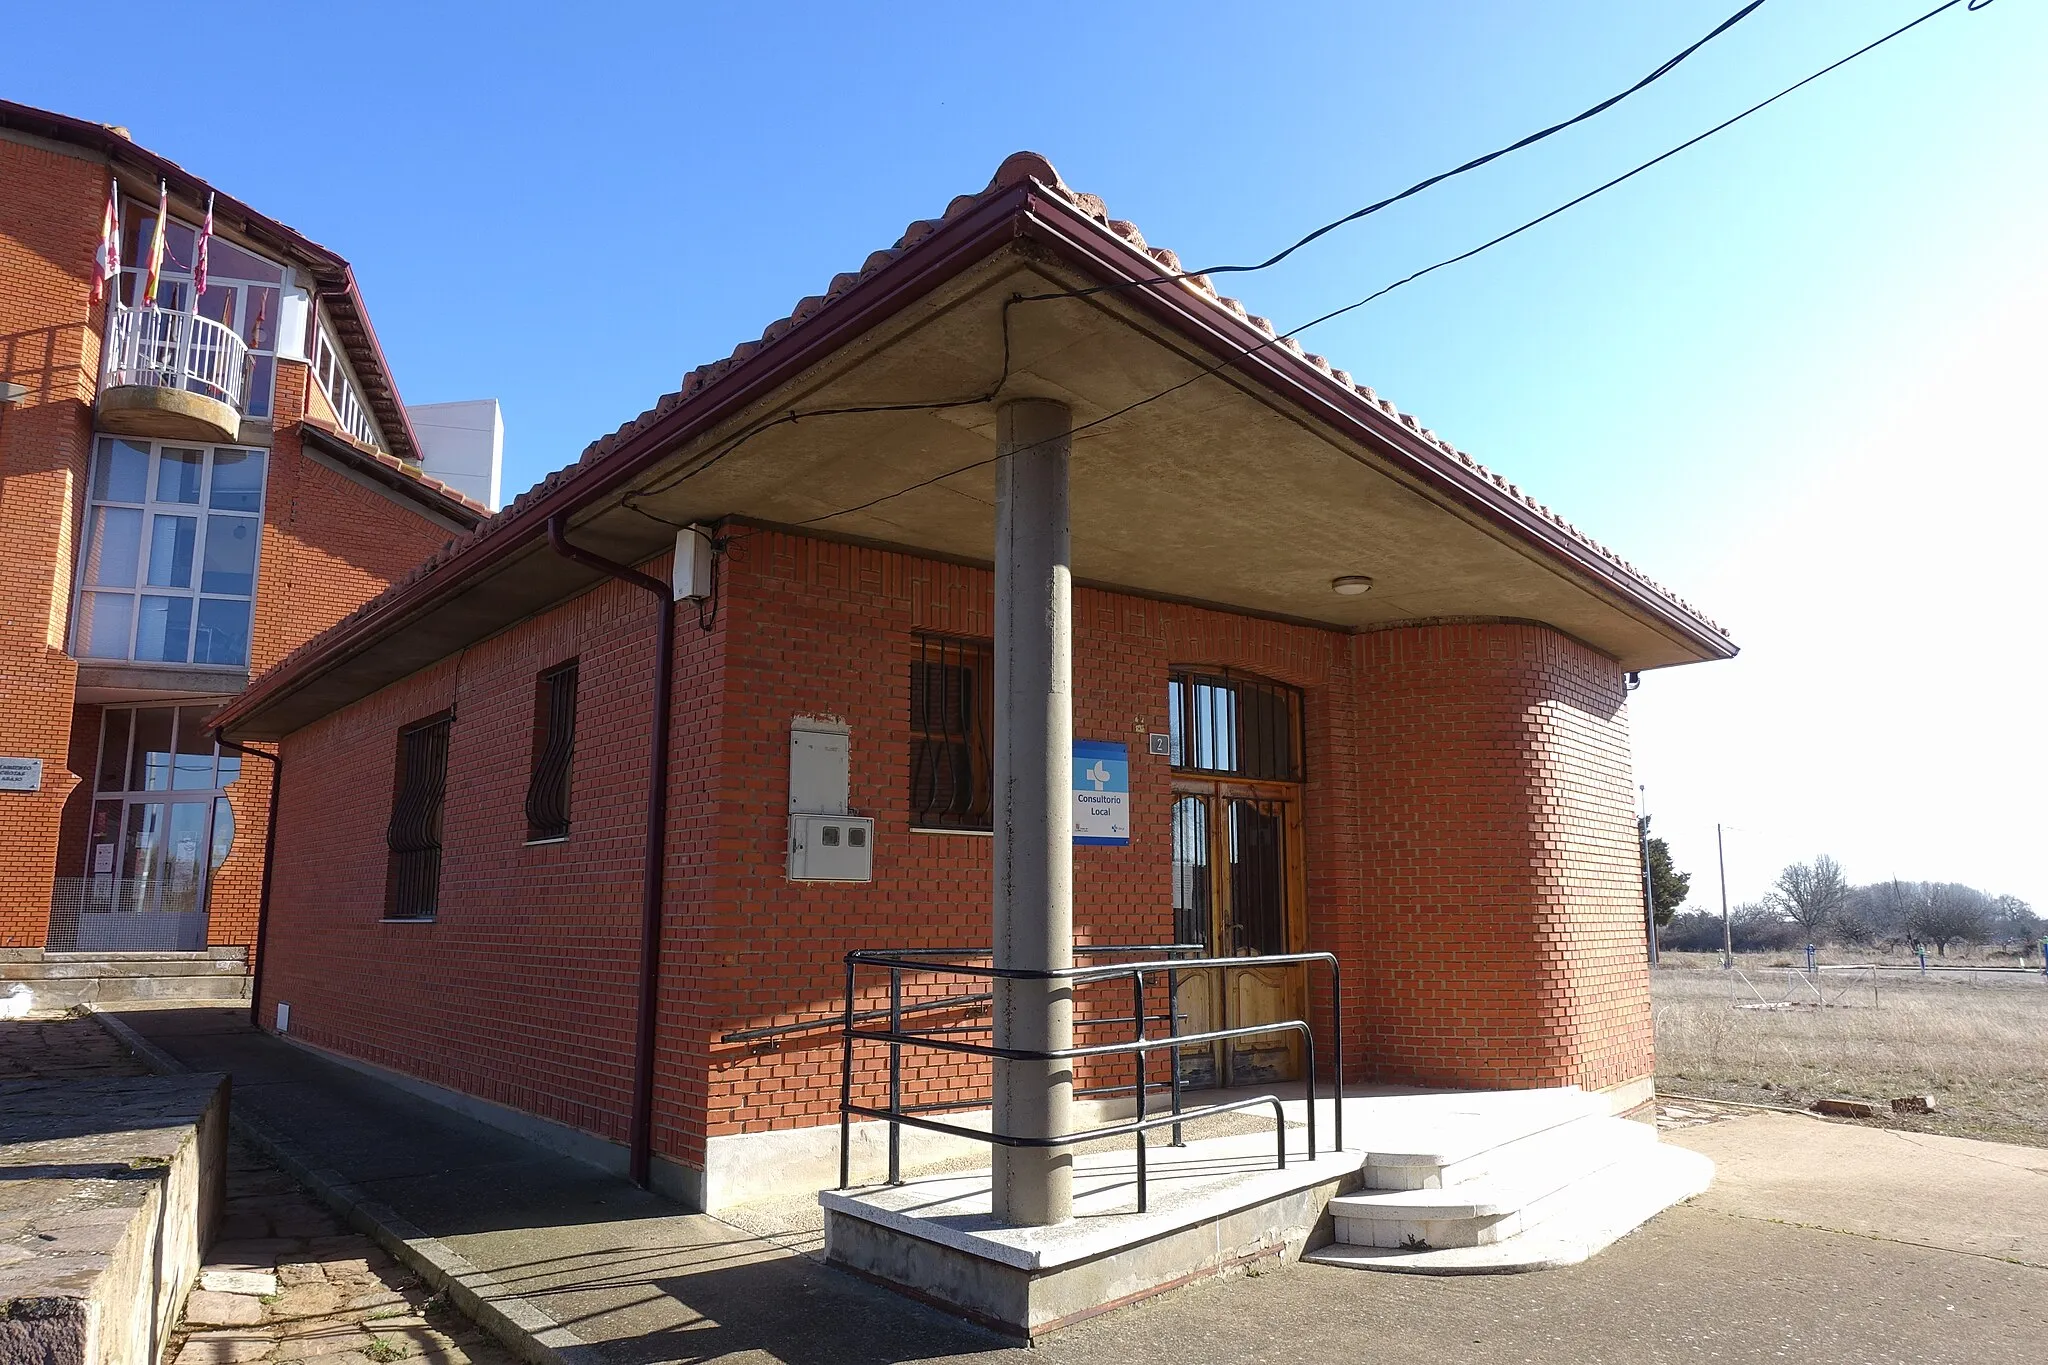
(690, 572)
(831, 848)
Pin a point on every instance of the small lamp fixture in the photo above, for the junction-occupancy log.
(1351, 585)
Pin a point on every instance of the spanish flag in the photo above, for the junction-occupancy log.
(153, 273)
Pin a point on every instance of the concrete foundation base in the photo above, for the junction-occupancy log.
(1214, 1205)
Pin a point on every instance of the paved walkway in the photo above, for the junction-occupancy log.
(283, 1281)
(1829, 1254)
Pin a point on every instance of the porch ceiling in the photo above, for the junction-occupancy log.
(1249, 488)
(1214, 493)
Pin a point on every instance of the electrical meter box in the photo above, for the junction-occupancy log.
(831, 848)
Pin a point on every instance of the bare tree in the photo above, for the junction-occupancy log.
(1948, 912)
(1760, 926)
(1812, 895)
(1876, 914)
(2013, 918)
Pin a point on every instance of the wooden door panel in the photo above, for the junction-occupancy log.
(1260, 995)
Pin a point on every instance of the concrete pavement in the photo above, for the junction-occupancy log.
(1955, 1194)
(1818, 1243)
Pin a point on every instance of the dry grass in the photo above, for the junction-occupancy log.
(1980, 1048)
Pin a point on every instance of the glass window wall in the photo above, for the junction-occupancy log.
(173, 534)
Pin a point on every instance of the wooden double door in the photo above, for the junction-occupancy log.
(1238, 891)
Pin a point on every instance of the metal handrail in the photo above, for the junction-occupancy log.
(925, 960)
(952, 1002)
(165, 349)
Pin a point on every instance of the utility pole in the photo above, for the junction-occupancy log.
(1727, 927)
(1649, 886)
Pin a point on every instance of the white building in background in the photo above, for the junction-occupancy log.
(463, 445)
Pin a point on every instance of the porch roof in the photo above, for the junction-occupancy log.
(1212, 462)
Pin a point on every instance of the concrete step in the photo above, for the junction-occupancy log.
(1530, 1183)
(1455, 1147)
(1603, 1207)
(80, 967)
(61, 993)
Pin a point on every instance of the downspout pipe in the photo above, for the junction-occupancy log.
(276, 762)
(640, 1144)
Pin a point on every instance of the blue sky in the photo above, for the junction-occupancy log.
(1782, 373)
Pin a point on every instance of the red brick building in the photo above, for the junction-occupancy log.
(189, 491)
(1369, 699)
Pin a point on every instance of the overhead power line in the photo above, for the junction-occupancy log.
(1474, 164)
(1244, 352)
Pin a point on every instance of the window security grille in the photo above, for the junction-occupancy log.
(1258, 877)
(952, 684)
(413, 879)
(554, 745)
(1234, 727)
(1192, 900)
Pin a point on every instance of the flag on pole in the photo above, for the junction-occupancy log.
(154, 269)
(199, 254)
(106, 257)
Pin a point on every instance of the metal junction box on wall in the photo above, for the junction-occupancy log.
(831, 848)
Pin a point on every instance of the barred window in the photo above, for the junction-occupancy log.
(412, 886)
(1234, 727)
(952, 707)
(554, 745)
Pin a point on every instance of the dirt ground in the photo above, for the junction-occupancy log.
(1977, 1042)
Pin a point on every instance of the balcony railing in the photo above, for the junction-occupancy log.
(163, 349)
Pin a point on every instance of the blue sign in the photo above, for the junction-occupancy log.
(1102, 793)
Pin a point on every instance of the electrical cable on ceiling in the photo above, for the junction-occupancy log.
(1419, 186)
(1382, 292)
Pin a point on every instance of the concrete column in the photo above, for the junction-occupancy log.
(1034, 828)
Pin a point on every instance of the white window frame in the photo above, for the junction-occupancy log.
(180, 273)
(351, 412)
(150, 508)
(103, 886)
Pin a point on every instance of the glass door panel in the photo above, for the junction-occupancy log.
(1234, 886)
(1194, 910)
(160, 826)
(103, 852)
(141, 842)
(182, 879)
(1257, 925)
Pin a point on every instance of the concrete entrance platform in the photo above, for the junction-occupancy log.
(1433, 1181)
(1214, 1204)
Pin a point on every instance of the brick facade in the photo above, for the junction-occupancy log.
(329, 543)
(1499, 880)
(1468, 832)
(50, 207)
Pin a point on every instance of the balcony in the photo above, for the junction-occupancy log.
(172, 375)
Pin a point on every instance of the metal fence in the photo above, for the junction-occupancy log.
(128, 914)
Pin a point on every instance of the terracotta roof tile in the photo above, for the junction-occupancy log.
(1015, 170)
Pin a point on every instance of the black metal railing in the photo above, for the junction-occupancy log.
(1175, 967)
